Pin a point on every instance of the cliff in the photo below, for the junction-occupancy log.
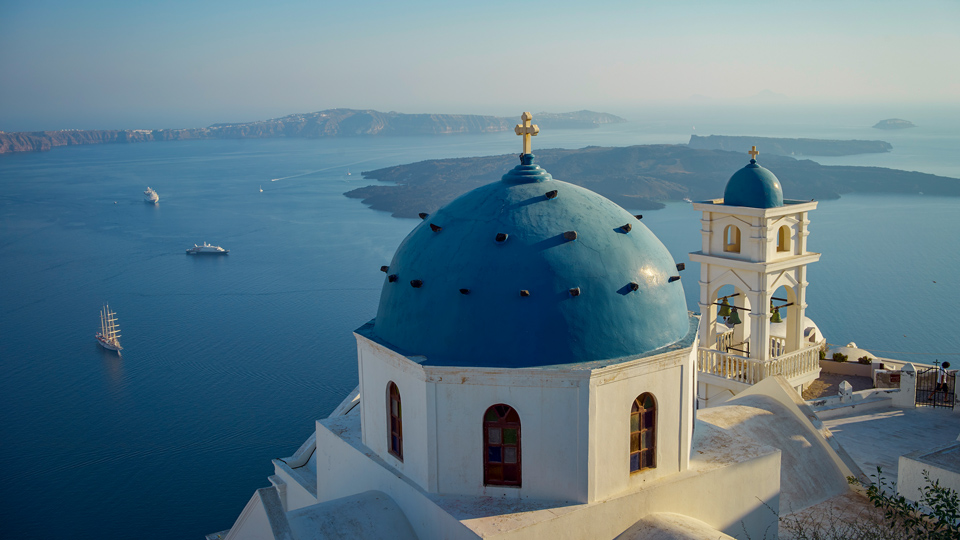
(789, 147)
(329, 123)
(635, 177)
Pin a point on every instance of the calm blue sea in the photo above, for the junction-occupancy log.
(228, 361)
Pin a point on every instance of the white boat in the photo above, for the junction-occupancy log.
(151, 196)
(109, 335)
(207, 249)
(261, 189)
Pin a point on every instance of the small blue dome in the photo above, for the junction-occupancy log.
(530, 271)
(753, 186)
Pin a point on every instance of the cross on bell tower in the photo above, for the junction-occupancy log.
(526, 130)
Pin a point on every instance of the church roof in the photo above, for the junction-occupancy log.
(753, 186)
(530, 271)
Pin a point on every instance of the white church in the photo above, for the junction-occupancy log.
(533, 372)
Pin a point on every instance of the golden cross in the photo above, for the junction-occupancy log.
(526, 129)
(753, 153)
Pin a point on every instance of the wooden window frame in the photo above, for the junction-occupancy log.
(498, 422)
(394, 422)
(644, 428)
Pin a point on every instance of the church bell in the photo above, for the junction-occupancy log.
(724, 310)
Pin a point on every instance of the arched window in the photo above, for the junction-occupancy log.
(643, 433)
(783, 239)
(501, 445)
(731, 239)
(395, 427)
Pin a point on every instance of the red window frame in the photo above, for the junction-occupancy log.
(501, 447)
(395, 421)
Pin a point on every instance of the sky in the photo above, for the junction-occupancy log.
(104, 64)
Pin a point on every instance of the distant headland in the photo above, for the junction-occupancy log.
(894, 123)
(635, 177)
(321, 124)
(790, 147)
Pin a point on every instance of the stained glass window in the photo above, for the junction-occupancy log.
(395, 426)
(501, 441)
(643, 434)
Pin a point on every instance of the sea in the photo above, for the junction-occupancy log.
(229, 360)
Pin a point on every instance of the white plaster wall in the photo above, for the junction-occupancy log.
(378, 367)
(910, 479)
(614, 393)
(740, 500)
(552, 427)
(344, 468)
(253, 523)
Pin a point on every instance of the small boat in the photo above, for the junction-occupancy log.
(207, 249)
(687, 199)
(261, 189)
(109, 335)
(151, 196)
(348, 172)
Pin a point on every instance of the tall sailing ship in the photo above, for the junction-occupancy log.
(109, 335)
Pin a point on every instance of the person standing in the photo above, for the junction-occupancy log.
(941, 383)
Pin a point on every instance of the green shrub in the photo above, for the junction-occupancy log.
(865, 360)
(839, 357)
(935, 515)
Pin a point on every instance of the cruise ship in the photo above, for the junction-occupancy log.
(151, 196)
(207, 249)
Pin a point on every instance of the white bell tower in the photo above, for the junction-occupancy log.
(756, 242)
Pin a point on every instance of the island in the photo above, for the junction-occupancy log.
(321, 124)
(635, 177)
(894, 123)
(790, 147)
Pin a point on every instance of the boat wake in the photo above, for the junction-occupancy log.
(329, 168)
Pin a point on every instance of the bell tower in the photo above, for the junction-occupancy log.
(754, 242)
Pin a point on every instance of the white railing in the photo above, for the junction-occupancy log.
(728, 366)
(778, 346)
(724, 341)
(751, 370)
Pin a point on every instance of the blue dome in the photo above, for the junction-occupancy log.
(496, 279)
(753, 186)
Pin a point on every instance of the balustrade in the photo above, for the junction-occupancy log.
(752, 370)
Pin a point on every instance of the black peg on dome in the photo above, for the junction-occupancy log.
(575, 291)
(639, 216)
(551, 194)
(391, 278)
(423, 215)
(626, 228)
(464, 291)
(681, 267)
(435, 228)
(416, 283)
(502, 237)
(524, 293)
(634, 286)
(674, 278)
(384, 269)
(570, 235)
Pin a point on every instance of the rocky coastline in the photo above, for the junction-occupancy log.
(321, 124)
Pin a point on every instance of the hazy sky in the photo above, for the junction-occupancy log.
(125, 64)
